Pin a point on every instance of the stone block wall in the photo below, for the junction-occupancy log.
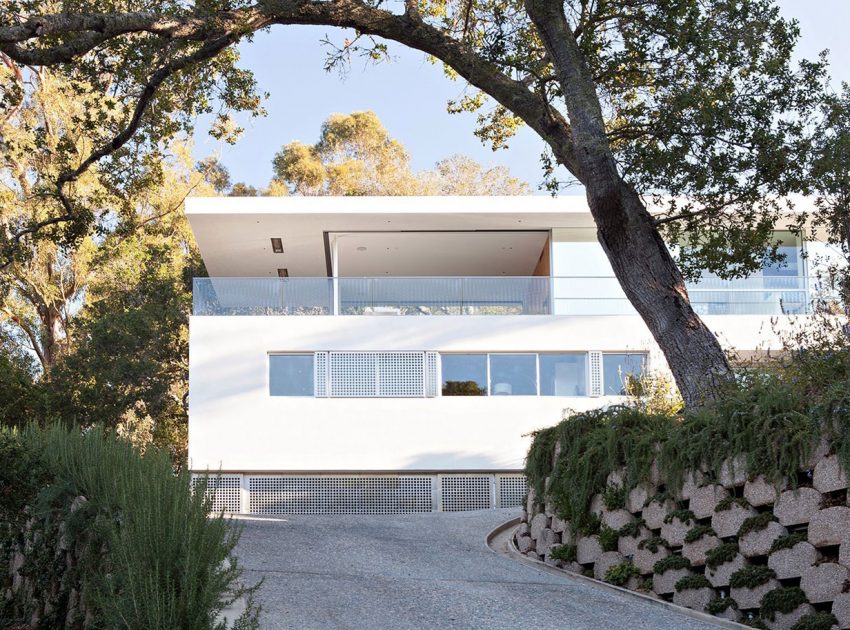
(736, 546)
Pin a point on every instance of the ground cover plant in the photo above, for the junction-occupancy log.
(105, 538)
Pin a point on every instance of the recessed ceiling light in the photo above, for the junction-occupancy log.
(361, 249)
(277, 245)
(283, 273)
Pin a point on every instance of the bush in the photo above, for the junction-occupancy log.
(633, 529)
(787, 542)
(696, 533)
(685, 516)
(671, 562)
(782, 600)
(726, 503)
(720, 604)
(751, 576)
(653, 544)
(565, 553)
(721, 555)
(608, 538)
(692, 582)
(619, 574)
(816, 621)
(147, 554)
(756, 523)
(614, 497)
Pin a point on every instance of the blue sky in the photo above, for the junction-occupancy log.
(410, 95)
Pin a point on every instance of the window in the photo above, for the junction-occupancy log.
(616, 370)
(513, 374)
(563, 374)
(464, 374)
(291, 375)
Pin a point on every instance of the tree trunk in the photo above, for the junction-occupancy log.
(640, 258)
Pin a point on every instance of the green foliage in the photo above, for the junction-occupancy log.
(692, 582)
(632, 529)
(755, 523)
(820, 620)
(463, 388)
(614, 497)
(653, 544)
(721, 554)
(565, 553)
(751, 576)
(608, 538)
(619, 574)
(150, 555)
(781, 600)
(671, 562)
(683, 516)
(726, 503)
(696, 533)
(787, 542)
(720, 604)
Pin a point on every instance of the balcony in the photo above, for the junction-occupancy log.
(531, 295)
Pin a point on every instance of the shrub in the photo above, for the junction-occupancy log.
(148, 554)
(696, 533)
(685, 516)
(816, 621)
(751, 576)
(565, 553)
(720, 604)
(614, 497)
(787, 542)
(782, 600)
(619, 574)
(671, 562)
(756, 523)
(692, 582)
(721, 555)
(632, 529)
(608, 538)
(726, 503)
(653, 544)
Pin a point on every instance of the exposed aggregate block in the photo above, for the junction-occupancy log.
(547, 539)
(796, 507)
(637, 496)
(733, 471)
(596, 504)
(628, 545)
(655, 511)
(693, 479)
(558, 524)
(695, 551)
(522, 530)
(616, 477)
(844, 551)
(759, 491)
(785, 621)
(705, 499)
(675, 531)
(719, 576)
(830, 526)
(758, 543)
(525, 544)
(529, 501)
(790, 563)
(588, 549)
(605, 562)
(538, 524)
(750, 598)
(665, 583)
(828, 475)
(645, 560)
(822, 583)
(694, 598)
(727, 522)
(615, 519)
(841, 610)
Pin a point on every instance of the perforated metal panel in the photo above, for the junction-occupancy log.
(225, 491)
(595, 361)
(338, 494)
(512, 489)
(432, 374)
(376, 374)
(466, 492)
(321, 374)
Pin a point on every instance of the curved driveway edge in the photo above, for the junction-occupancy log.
(421, 571)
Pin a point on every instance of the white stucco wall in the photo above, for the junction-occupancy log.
(234, 424)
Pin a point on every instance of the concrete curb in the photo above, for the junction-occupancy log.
(501, 536)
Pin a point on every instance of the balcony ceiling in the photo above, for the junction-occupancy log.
(433, 235)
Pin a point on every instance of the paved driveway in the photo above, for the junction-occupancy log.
(420, 571)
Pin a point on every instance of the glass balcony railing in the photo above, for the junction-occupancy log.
(535, 295)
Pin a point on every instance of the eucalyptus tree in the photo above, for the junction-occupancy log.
(693, 103)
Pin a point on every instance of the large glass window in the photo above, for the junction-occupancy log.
(464, 374)
(617, 369)
(513, 374)
(563, 374)
(291, 375)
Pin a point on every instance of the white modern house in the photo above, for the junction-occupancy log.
(392, 354)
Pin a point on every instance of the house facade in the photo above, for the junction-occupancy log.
(393, 354)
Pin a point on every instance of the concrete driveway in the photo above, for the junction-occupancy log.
(421, 571)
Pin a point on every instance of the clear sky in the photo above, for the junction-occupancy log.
(409, 94)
